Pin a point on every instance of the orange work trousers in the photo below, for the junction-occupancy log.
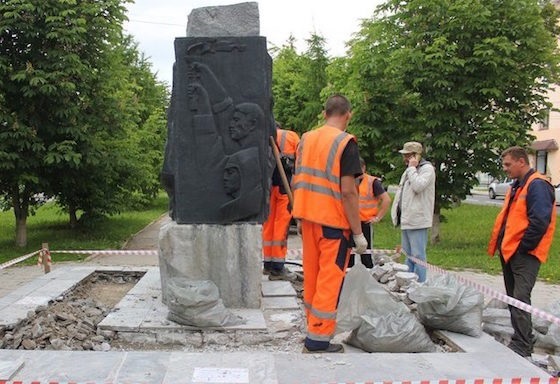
(275, 228)
(325, 256)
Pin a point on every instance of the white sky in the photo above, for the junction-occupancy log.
(155, 24)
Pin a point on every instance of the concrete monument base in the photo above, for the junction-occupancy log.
(228, 255)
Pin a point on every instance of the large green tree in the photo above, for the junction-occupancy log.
(297, 82)
(467, 78)
(49, 54)
(122, 152)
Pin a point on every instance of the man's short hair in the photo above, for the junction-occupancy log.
(516, 153)
(337, 105)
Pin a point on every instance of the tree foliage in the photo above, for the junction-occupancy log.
(73, 94)
(467, 78)
(297, 82)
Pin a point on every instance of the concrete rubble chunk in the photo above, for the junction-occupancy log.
(404, 279)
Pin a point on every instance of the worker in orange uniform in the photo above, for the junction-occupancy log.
(522, 235)
(374, 204)
(326, 203)
(275, 228)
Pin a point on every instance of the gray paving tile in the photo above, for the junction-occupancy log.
(8, 368)
(142, 367)
(280, 302)
(235, 368)
(277, 288)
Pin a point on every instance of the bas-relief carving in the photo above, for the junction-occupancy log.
(217, 158)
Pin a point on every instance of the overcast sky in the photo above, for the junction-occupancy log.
(156, 23)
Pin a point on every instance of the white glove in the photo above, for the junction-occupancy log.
(360, 243)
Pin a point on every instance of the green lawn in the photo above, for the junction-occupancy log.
(464, 236)
(50, 225)
(464, 239)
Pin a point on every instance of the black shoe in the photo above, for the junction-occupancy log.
(332, 348)
(282, 274)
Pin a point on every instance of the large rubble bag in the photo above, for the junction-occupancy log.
(357, 295)
(540, 324)
(378, 323)
(444, 303)
(198, 303)
(398, 331)
(548, 333)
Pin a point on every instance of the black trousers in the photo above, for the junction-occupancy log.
(520, 275)
(367, 230)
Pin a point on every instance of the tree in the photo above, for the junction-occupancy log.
(122, 153)
(49, 54)
(297, 82)
(467, 78)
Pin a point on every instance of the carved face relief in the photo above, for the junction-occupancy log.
(232, 180)
(239, 125)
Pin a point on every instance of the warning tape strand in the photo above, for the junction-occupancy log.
(487, 291)
(496, 380)
(18, 260)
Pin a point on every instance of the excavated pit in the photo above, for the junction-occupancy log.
(70, 322)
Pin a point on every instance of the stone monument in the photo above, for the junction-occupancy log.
(218, 161)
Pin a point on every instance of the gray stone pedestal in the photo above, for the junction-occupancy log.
(228, 255)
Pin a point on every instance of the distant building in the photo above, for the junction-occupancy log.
(546, 158)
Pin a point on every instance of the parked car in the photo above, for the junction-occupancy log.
(499, 187)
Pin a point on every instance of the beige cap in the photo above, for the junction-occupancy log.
(411, 147)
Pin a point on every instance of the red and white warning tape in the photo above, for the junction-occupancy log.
(487, 291)
(18, 260)
(298, 252)
(134, 252)
(516, 380)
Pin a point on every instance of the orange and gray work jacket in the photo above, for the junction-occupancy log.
(287, 142)
(316, 183)
(515, 212)
(369, 203)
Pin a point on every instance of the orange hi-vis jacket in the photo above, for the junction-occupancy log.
(316, 183)
(275, 228)
(287, 142)
(369, 204)
(517, 223)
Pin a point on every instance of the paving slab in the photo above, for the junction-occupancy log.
(9, 368)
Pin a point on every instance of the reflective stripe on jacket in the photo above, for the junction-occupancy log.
(316, 183)
(369, 204)
(517, 223)
(287, 142)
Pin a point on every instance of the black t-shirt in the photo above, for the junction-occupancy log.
(350, 160)
(378, 189)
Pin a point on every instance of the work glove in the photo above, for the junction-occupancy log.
(360, 243)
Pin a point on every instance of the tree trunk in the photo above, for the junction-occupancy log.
(20, 204)
(434, 237)
(21, 230)
(73, 217)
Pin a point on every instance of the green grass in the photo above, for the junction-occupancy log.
(50, 225)
(463, 242)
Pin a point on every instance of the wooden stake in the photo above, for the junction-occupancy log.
(45, 257)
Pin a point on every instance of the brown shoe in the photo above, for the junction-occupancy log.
(332, 348)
